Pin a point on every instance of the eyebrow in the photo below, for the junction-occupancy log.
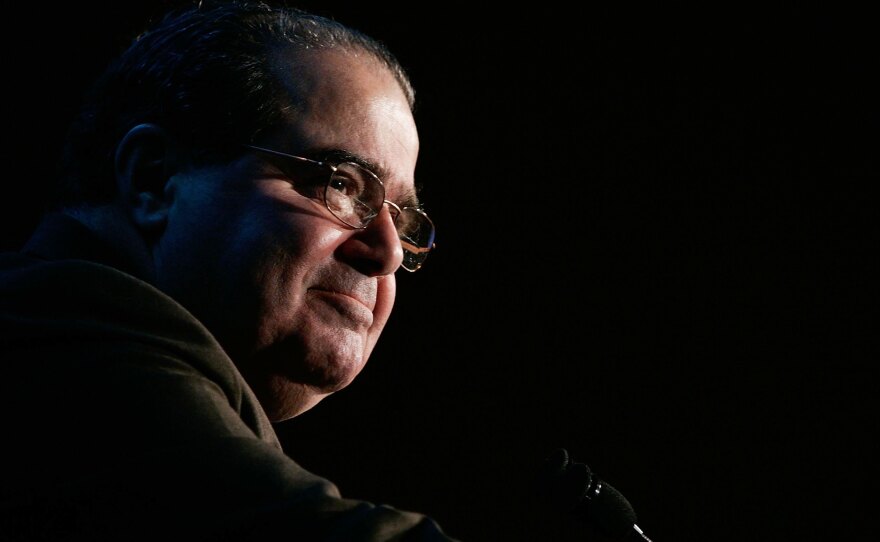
(337, 156)
(334, 156)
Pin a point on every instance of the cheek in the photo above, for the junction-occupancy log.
(283, 258)
(285, 243)
(387, 290)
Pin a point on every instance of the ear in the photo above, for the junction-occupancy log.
(143, 166)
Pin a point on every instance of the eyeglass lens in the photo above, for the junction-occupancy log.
(355, 196)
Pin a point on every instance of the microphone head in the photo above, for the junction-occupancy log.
(572, 487)
(607, 509)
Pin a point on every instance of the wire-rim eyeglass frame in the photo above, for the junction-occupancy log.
(346, 187)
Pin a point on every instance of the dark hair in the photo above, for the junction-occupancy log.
(204, 74)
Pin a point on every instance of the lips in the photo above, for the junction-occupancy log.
(357, 286)
(359, 297)
(354, 297)
(352, 310)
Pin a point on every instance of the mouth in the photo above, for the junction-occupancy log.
(348, 304)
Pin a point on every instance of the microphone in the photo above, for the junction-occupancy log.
(573, 487)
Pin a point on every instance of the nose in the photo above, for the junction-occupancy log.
(376, 249)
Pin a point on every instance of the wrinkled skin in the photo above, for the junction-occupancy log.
(296, 298)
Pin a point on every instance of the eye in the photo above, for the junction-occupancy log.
(342, 193)
(345, 184)
(352, 180)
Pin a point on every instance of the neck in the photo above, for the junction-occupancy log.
(113, 228)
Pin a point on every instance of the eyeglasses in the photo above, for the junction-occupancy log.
(355, 195)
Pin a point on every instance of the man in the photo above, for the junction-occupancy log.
(237, 196)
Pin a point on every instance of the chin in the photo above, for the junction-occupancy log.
(286, 389)
(282, 399)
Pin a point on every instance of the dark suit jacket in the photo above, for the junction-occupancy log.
(123, 419)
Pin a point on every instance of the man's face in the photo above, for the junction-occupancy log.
(297, 298)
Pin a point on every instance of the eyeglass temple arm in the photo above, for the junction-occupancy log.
(285, 155)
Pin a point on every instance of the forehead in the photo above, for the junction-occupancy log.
(348, 101)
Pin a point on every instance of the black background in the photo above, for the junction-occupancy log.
(655, 249)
